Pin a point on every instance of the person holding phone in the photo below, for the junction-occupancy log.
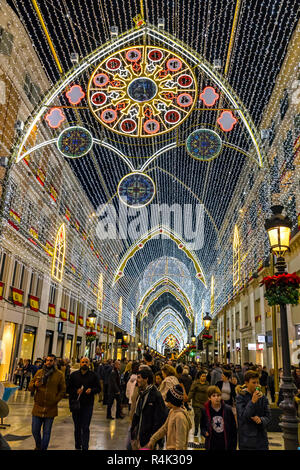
(253, 414)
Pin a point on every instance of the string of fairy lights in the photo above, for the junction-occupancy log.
(222, 185)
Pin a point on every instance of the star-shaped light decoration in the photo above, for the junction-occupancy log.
(55, 117)
(75, 94)
(209, 96)
(226, 121)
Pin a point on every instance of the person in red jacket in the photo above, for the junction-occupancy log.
(218, 424)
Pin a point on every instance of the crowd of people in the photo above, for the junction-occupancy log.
(229, 404)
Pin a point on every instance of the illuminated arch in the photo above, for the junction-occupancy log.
(139, 245)
(236, 262)
(58, 261)
(193, 58)
(167, 281)
(186, 304)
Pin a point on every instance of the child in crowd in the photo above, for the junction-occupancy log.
(253, 414)
(218, 424)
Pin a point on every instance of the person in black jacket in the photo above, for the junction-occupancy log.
(107, 368)
(227, 387)
(218, 424)
(253, 414)
(83, 385)
(114, 391)
(151, 411)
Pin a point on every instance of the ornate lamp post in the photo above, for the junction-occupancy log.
(207, 321)
(279, 230)
(92, 321)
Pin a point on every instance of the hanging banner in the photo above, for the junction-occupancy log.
(71, 317)
(41, 176)
(53, 193)
(111, 332)
(33, 232)
(104, 329)
(63, 314)
(1, 290)
(98, 328)
(80, 321)
(17, 296)
(33, 303)
(14, 219)
(51, 310)
(68, 213)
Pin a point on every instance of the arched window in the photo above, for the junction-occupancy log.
(236, 263)
(100, 293)
(58, 262)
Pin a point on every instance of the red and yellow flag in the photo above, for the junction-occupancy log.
(63, 314)
(33, 303)
(17, 296)
(71, 317)
(1, 290)
(51, 310)
(80, 321)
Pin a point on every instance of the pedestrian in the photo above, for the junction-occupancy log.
(26, 376)
(149, 362)
(18, 375)
(170, 379)
(150, 412)
(216, 374)
(82, 388)
(178, 424)
(253, 414)
(131, 383)
(158, 378)
(114, 391)
(107, 368)
(227, 387)
(49, 387)
(218, 424)
(239, 374)
(198, 395)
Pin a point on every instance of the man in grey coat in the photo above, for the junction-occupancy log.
(216, 374)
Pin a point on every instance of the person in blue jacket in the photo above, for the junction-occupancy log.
(253, 414)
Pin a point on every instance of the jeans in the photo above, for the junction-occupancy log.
(82, 419)
(37, 423)
(110, 404)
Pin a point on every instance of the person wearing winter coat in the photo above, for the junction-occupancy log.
(198, 395)
(227, 388)
(218, 424)
(150, 410)
(170, 379)
(107, 368)
(216, 374)
(49, 388)
(253, 414)
(178, 424)
(131, 383)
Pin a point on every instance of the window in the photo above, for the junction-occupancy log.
(288, 150)
(236, 256)
(284, 104)
(2, 265)
(52, 293)
(19, 277)
(32, 91)
(6, 42)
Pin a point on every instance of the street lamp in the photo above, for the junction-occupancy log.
(207, 321)
(193, 338)
(92, 321)
(279, 230)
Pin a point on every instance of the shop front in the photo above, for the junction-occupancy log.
(68, 348)
(28, 342)
(7, 347)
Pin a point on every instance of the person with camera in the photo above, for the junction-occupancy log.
(49, 387)
(83, 386)
(253, 414)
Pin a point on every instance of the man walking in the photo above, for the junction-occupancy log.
(83, 386)
(48, 386)
(150, 412)
(114, 391)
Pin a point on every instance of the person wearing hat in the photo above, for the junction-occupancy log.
(177, 425)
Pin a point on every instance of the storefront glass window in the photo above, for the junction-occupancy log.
(27, 346)
(6, 348)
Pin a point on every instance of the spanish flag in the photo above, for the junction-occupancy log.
(33, 303)
(104, 329)
(71, 317)
(49, 248)
(77, 225)
(14, 216)
(1, 290)
(17, 296)
(98, 328)
(51, 310)
(68, 213)
(63, 314)
(80, 321)
(53, 193)
(33, 232)
(41, 176)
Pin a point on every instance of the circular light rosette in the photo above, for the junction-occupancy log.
(136, 190)
(74, 142)
(204, 144)
(151, 86)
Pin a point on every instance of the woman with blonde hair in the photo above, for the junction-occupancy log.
(170, 380)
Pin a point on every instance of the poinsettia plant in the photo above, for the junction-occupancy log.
(282, 289)
(90, 336)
